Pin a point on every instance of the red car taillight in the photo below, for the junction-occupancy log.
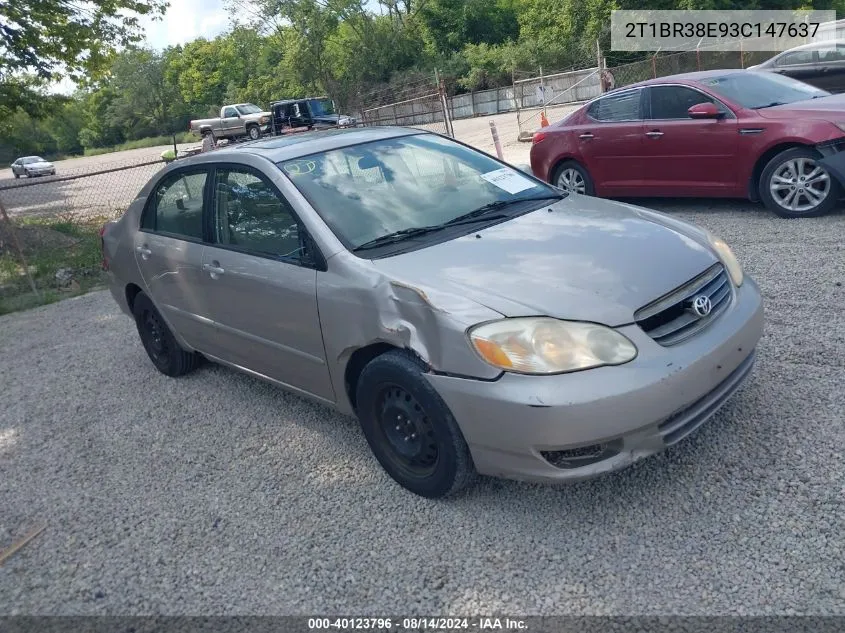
(105, 262)
(538, 136)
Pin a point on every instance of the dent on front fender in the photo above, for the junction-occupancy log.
(359, 306)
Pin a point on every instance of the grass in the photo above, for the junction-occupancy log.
(153, 141)
(49, 245)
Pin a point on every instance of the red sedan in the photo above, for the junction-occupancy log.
(725, 133)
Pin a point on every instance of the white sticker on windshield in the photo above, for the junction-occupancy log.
(508, 179)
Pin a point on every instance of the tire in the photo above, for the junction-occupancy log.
(579, 176)
(393, 386)
(783, 185)
(253, 132)
(165, 353)
(17, 176)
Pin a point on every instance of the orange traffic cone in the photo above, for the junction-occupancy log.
(544, 122)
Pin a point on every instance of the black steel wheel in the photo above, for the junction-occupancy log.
(161, 346)
(410, 429)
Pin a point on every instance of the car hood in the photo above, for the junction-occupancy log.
(586, 259)
(830, 108)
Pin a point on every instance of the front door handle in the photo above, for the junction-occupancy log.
(143, 251)
(213, 269)
(586, 135)
(654, 134)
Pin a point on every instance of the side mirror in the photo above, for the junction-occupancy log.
(705, 111)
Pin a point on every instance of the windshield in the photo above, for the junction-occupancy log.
(321, 107)
(371, 190)
(31, 159)
(248, 108)
(761, 89)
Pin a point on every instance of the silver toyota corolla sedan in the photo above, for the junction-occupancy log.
(473, 318)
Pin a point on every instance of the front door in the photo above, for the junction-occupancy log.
(259, 287)
(168, 251)
(610, 140)
(685, 156)
(231, 120)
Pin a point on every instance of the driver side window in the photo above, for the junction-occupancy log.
(229, 113)
(251, 216)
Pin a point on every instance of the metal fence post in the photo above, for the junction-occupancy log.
(496, 142)
(14, 234)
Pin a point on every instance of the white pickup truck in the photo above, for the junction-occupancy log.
(240, 119)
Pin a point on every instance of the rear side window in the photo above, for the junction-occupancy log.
(176, 205)
(619, 107)
(798, 57)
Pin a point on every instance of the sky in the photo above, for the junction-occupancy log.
(186, 20)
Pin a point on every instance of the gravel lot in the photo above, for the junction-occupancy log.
(217, 493)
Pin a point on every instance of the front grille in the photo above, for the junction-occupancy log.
(671, 319)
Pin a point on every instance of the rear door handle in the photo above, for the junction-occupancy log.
(213, 270)
(654, 134)
(586, 135)
(143, 251)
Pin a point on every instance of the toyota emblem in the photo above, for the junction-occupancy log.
(701, 306)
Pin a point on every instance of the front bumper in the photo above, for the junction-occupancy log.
(578, 425)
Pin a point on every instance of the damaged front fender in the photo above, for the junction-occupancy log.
(360, 306)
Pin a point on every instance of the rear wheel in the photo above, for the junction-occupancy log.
(410, 429)
(572, 176)
(794, 185)
(167, 355)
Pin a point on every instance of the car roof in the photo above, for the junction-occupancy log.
(286, 101)
(813, 46)
(693, 77)
(289, 146)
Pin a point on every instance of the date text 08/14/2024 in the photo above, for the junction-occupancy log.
(415, 624)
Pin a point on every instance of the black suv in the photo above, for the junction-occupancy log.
(309, 112)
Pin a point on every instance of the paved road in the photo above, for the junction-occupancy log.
(110, 193)
(218, 493)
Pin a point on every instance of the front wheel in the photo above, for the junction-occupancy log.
(572, 176)
(410, 429)
(794, 185)
(161, 346)
(17, 176)
(254, 133)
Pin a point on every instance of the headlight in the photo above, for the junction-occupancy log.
(841, 126)
(265, 119)
(728, 258)
(542, 345)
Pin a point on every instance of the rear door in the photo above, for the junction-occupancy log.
(259, 283)
(831, 75)
(610, 140)
(802, 65)
(688, 156)
(168, 251)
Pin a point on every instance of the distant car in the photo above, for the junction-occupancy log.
(820, 64)
(31, 166)
(722, 133)
(471, 316)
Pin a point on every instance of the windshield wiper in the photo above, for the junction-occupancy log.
(770, 105)
(483, 213)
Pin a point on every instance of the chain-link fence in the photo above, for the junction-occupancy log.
(49, 226)
(421, 104)
(683, 62)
